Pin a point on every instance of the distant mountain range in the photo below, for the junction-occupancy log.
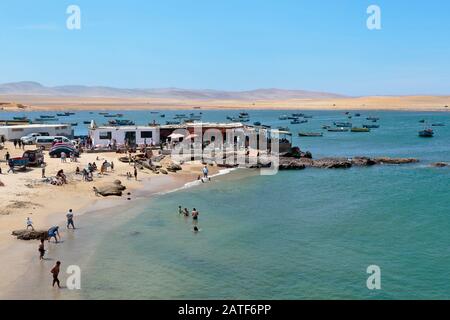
(35, 88)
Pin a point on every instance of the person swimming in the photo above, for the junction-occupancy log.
(180, 211)
(196, 229)
(186, 212)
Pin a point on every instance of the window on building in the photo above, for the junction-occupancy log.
(146, 134)
(105, 135)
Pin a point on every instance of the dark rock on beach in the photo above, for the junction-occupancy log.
(114, 189)
(30, 234)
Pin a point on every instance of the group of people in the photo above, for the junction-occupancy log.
(194, 214)
(18, 143)
(72, 156)
(53, 233)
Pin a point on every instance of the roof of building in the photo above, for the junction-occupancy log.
(36, 125)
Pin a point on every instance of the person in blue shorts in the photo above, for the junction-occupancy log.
(53, 233)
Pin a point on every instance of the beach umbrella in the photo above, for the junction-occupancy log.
(176, 136)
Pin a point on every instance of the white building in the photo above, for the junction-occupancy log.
(103, 136)
(18, 131)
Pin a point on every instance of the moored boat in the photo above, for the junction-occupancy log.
(338, 129)
(371, 126)
(427, 133)
(310, 134)
(357, 129)
(343, 124)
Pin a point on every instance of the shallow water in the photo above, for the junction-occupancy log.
(296, 235)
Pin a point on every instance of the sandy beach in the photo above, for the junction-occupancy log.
(48, 103)
(25, 196)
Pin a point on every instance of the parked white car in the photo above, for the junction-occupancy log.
(30, 138)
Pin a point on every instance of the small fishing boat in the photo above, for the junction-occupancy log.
(438, 125)
(357, 114)
(121, 122)
(74, 124)
(70, 113)
(86, 122)
(373, 119)
(154, 112)
(244, 115)
(47, 117)
(299, 121)
(371, 126)
(422, 121)
(356, 129)
(427, 133)
(325, 127)
(339, 129)
(257, 123)
(62, 114)
(307, 117)
(172, 122)
(103, 113)
(284, 129)
(283, 117)
(163, 116)
(298, 115)
(310, 134)
(24, 118)
(343, 124)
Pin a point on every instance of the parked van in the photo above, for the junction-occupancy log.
(47, 142)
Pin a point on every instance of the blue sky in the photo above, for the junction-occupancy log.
(321, 45)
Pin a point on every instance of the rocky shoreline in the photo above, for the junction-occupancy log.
(292, 163)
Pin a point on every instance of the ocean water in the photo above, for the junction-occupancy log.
(307, 234)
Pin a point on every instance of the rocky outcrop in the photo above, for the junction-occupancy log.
(113, 189)
(387, 160)
(173, 167)
(290, 163)
(440, 164)
(30, 234)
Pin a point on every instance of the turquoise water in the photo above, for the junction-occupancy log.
(296, 235)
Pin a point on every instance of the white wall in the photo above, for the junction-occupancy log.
(12, 132)
(118, 134)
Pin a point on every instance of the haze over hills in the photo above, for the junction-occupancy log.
(35, 88)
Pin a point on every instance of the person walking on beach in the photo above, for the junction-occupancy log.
(55, 273)
(30, 224)
(15, 144)
(7, 156)
(135, 173)
(69, 216)
(205, 172)
(11, 166)
(41, 250)
(63, 157)
(43, 170)
(53, 232)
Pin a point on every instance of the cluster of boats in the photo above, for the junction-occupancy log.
(296, 118)
(242, 117)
